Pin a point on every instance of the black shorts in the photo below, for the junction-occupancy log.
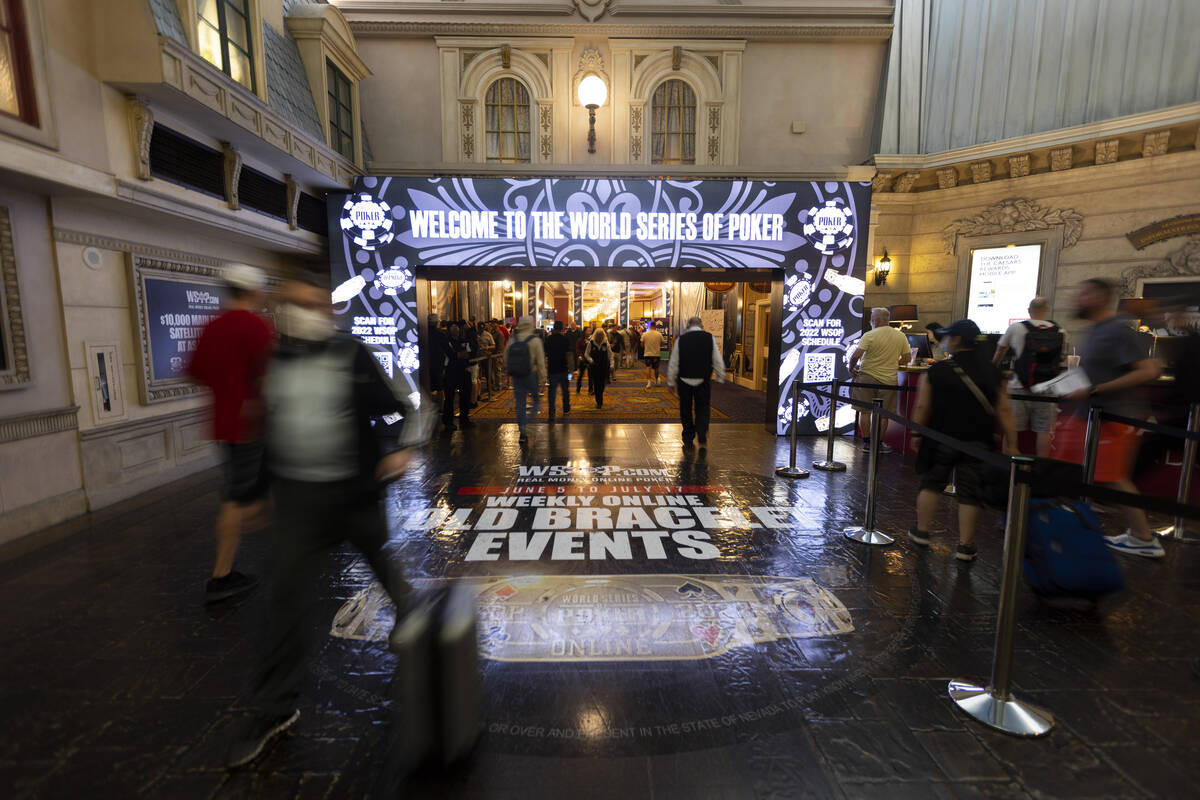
(245, 473)
(652, 361)
(939, 463)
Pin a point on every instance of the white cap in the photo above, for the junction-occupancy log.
(245, 277)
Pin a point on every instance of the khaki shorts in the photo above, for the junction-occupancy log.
(1030, 415)
(888, 396)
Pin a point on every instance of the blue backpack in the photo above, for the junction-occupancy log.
(518, 361)
(1065, 552)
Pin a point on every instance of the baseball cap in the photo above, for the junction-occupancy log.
(964, 328)
(245, 277)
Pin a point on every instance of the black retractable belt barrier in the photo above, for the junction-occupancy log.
(993, 703)
(791, 470)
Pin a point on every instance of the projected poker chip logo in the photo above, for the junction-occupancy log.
(393, 281)
(829, 228)
(408, 357)
(367, 221)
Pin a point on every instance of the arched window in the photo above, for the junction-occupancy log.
(673, 123)
(507, 126)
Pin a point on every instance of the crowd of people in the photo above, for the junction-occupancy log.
(294, 408)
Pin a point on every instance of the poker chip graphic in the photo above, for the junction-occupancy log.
(367, 221)
(393, 281)
(829, 228)
(408, 357)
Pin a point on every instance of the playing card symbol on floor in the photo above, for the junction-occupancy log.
(709, 633)
(505, 592)
(690, 590)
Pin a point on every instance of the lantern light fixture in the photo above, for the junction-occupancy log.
(883, 268)
(592, 93)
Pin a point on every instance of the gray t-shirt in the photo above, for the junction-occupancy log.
(1110, 351)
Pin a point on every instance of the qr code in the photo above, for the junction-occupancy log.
(819, 367)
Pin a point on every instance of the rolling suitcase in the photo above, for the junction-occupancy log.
(1065, 552)
(436, 686)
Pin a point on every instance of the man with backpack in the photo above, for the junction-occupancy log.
(525, 361)
(1038, 346)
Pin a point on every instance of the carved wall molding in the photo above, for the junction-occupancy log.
(293, 201)
(1163, 229)
(1155, 144)
(466, 110)
(635, 132)
(141, 126)
(905, 182)
(39, 423)
(590, 62)
(1184, 262)
(1061, 158)
(882, 182)
(592, 10)
(233, 173)
(85, 239)
(421, 29)
(1012, 215)
(1108, 151)
(947, 178)
(16, 373)
(546, 124)
(981, 172)
(1018, 166)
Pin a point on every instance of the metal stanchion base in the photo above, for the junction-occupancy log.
(861, 534)
(1184, 535)
(1011, 716)
(791, 472)
(829, 466)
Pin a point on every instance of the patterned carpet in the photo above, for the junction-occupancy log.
(628, 400)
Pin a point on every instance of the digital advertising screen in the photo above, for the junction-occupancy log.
(1003, 281)
(813, 232)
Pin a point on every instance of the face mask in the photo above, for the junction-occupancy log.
(306, 324)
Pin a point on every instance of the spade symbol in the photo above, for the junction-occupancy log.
(690, 590)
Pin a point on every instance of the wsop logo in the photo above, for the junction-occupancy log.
(829, 228)
(367, 221)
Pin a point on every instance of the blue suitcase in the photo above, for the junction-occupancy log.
(1065, 552)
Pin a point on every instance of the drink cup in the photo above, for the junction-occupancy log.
(1072, 362)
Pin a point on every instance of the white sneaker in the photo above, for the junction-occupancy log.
(648, 384)
(1130, 545)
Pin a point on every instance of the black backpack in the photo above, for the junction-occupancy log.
(1041, 359)
(518, 361)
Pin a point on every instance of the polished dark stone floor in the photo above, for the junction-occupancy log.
(118, 683)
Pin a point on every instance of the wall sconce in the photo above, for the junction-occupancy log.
(592, 94)
(883, 268)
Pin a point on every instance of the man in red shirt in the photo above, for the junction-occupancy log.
(230, 359)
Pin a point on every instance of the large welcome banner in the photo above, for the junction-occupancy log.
(814, 233)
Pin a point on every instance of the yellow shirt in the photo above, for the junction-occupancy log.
(881, 350)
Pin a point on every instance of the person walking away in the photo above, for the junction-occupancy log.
(598, 357)
(487, 346)
(580, 348)
(1117, 368)
(964, 397)
(435, 358)
(457, 380)
(321, 391)
(694, 360)
(558, 368)
(877, 359)
(525, 361)
(652, 342)
(573, 334)
(635, 335)
(230, 358)
(615, 343)
(1038, 346)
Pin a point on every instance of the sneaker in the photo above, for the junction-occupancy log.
(1130, 545)
(648, 384)
(885, 448)
(230, 585)
(260, 731)
(918, 536)
(866, 445)
(966, 552)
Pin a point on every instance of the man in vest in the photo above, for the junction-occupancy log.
(694, 359)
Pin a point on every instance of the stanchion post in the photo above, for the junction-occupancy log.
(1190, 446)
(829, 465)
(1091, 444)
(866, 533)
(791, 470)
(993, 704)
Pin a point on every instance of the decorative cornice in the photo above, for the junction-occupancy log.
(824, 33)
(39, 423)
(1015, 214)
(1182, 225)
(68, 236)
(1184, 262)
